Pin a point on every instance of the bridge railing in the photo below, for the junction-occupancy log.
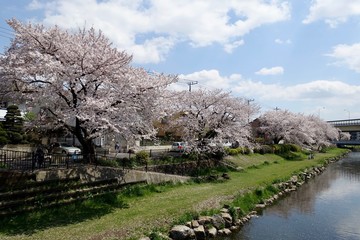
(348, 122)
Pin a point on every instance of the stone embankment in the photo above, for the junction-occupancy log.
(226, 222)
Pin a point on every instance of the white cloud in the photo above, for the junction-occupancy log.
(315, 90)
(212, 79)
(332, 12)
(229, 47)
(348, 55)
(153, 50)
(143, 26)
(280, 41)
(324, 90)
(310, 98)
(325, 96)
(271, 71)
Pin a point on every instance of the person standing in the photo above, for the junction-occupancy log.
(117, 147)
(39, 157)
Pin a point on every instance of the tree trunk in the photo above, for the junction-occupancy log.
(89, 150)
(88, 147)
(276, 140)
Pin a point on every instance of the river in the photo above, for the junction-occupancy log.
(327, 207)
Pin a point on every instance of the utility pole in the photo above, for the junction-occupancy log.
(190, 83)
(320, 111)
(248, 102)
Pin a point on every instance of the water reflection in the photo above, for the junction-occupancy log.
(327, 207)
(350, 167)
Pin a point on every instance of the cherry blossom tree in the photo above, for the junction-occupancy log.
(344, 135)
(277, 125)
(82, 83)
(211, 117)
(297, 128)
(322, 133)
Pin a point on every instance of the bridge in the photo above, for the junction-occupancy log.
(351, 126)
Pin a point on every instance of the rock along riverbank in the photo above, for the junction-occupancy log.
(225, 222)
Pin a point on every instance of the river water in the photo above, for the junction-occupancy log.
(327, 207)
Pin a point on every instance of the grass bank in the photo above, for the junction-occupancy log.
(138, 211)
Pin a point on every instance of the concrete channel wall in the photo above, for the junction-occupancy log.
(95, 173)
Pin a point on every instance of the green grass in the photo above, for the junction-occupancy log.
(142, 209)
(245, 161)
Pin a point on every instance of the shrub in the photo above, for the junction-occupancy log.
(157, 236)
(294, 148)
(167, 159)
(265, 149)
(272, 189)
(259, 192)
(247, 201)
(234, 213)
(293, 156)
(283, 148)
(134, 191)
(126, 162)
(186, 217)
(3, 166)
(218, 155)
(3, 140)
(324, 149)
(246, 150)
(15, 137)
(306, 151)
(107, 162)
(260, 140)
(190, 156)
(142, 157)
(234, 151)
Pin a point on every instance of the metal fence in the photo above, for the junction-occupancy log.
(30, 161)
(17, 160)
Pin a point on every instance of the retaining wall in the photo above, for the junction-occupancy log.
(93, 173)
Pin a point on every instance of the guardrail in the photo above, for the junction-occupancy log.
(348, 122)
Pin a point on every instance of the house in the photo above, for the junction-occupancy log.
(2, 114)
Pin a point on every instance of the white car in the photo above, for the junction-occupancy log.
(224, 144)
(64, 148)
(178, 146)
(227, 144)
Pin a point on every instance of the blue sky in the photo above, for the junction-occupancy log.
(303, 56)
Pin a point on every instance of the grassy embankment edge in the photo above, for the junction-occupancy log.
(155, 208)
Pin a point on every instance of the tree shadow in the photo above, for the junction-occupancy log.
(30, 222)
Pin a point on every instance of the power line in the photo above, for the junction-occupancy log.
(6, 33)
(190, 83)
(250, 100)
(9, 30)
(8, 37)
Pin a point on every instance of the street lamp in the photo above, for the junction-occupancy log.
(348, 113)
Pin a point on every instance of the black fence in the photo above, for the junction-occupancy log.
(17, 160)
(30, 161)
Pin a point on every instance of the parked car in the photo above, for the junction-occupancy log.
(217, 144)
(178, 146)
(64, 148)
(227, 144)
